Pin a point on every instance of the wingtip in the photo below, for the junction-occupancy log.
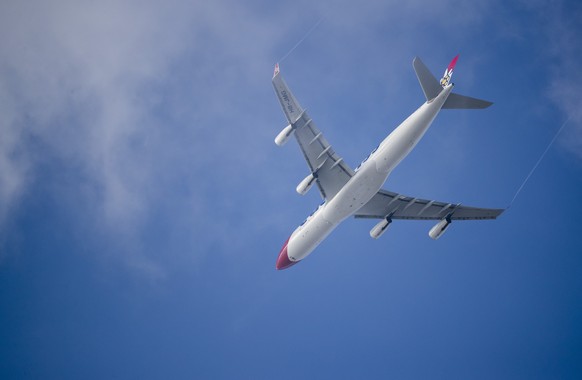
(276, 72)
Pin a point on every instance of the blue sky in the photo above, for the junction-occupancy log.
(143, 202)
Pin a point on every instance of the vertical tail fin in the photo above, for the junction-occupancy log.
(446, 79)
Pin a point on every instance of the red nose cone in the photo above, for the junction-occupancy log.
(283, 261)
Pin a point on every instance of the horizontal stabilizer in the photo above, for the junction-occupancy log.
(456, 101)
(430, 85)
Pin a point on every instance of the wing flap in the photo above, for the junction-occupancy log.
(397, 206)
(329, 169)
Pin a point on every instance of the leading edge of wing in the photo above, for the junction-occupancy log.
(397, 206)
(328, 168)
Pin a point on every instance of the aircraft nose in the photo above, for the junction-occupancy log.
(283, 261)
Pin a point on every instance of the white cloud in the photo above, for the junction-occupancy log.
(565, 89)
(165, 111)
(135, 99)
(129, 99)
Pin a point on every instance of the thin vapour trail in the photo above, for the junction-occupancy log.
(538, 163)
(301, 40)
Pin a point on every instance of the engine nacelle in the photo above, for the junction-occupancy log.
(283, 136)
(439, 229)
(306, 184)
(380, 228)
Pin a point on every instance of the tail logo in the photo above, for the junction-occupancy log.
(446, 79)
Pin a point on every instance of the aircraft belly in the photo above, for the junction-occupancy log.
(357, 188)
(397, 148)
(356, 193)
(308, 236)
(405, 137)
(372, 175)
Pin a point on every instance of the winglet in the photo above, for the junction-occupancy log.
(446, 79)
(276, 70)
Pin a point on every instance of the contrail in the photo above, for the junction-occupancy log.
(539, 161)
(301, 40)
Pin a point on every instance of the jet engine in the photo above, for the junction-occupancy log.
(439, 229)
(380, 228)
(306, 184)
(283, 136)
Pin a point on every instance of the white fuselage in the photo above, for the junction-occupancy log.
(369, 178)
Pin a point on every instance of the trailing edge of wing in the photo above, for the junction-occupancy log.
(399, 206)
(331, 172)
(328, 168)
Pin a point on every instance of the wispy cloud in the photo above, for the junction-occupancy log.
(134, 102)
(145, 108)
(564, 36)
(161, 117)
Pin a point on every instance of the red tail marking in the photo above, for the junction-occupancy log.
(453, 63)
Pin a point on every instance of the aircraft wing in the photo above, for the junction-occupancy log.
(386, 203)
(329, 170)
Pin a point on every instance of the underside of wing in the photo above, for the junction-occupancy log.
(386, 204)
(327, 168)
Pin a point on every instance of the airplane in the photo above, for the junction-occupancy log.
(347, 192)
